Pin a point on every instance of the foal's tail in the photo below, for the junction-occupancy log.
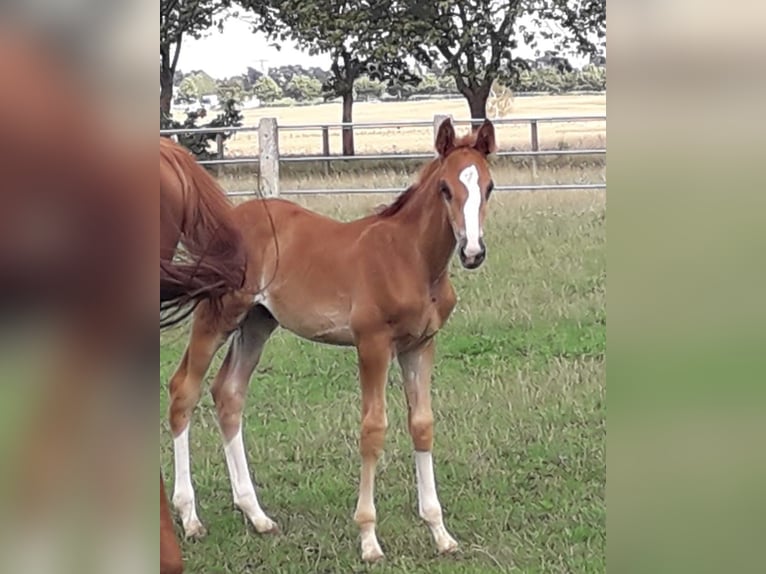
(215, 259)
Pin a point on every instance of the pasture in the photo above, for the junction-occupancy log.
(520, 408)
(396, 173)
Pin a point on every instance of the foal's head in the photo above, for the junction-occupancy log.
(465, 185)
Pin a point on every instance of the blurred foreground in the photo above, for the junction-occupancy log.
(78, 281)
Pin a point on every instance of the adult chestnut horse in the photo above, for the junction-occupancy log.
(195, 212)
(379, 284)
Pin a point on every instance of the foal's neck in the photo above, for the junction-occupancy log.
(427, 219)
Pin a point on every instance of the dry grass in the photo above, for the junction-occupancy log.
(399, 174)
(383, 140)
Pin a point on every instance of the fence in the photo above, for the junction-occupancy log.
(269, 157)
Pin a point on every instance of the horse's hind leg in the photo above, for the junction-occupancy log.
(229, 392)
(416, 371)
(185, 390)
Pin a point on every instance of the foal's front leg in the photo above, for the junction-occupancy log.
(374, 359)
(416, 371)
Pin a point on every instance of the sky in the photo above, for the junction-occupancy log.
(230, 53)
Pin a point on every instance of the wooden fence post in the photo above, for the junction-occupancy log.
(535, 146)
(326, 148)
(438, 120)
(219, 152)
(268, 147)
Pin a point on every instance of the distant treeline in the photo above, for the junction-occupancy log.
(286, 85)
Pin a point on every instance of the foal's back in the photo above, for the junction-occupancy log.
(305, 241)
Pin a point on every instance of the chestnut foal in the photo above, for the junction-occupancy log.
(379, 284)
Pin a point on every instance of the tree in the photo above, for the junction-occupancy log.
(187, 91)
(428, 86)
(251, 76)
(203, 82)
(474, 40)
(266, 89)
(231, 89)
(199, 142)
(353, 33)
(303, 88)
(447, 85)
(367, 89)
(179, 18)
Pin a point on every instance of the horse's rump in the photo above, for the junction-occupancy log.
(213, 262)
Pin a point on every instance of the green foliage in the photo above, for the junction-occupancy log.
(303, 88)
(187, 91)
(428, 85)
(474, 41)
(354, 34)
(447, 84)
(179, 18)
(196, 84)
(552, 80)
(367, 89)
(199, 143)
(232, 89)
(266, 89)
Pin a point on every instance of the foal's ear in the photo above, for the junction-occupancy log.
(445, 138)
(485, 139)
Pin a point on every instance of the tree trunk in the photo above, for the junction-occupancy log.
(168, 67)
(348, 132)
(477, 102)
(166, 90)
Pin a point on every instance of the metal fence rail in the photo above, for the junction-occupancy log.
(269, 157)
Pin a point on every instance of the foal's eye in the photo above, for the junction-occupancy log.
(490, 187)
(445, 190)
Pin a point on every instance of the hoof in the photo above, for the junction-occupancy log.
(266, 526)
(449, 548)
(372, 553)
(195, 531)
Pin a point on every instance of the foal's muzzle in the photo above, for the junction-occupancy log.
(471, 260)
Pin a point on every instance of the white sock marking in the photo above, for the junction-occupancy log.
(427, 498)
(469, 177)
(429, 506)
(242, 487)
(183, 491)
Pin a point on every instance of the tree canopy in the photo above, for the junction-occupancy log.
(180, 18)
(354, 34)
(475, 41)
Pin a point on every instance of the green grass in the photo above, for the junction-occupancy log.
(519, 400)
(398, 173)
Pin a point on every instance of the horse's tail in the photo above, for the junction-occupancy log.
(214, 260)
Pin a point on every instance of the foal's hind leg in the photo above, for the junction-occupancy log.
(185, 388)
(416, 371)
(229, 392)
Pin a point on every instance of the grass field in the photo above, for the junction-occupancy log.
(519, 401)
(383, 140)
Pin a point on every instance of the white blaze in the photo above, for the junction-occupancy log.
(469, 177)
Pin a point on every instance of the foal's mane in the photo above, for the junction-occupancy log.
(425, 174)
